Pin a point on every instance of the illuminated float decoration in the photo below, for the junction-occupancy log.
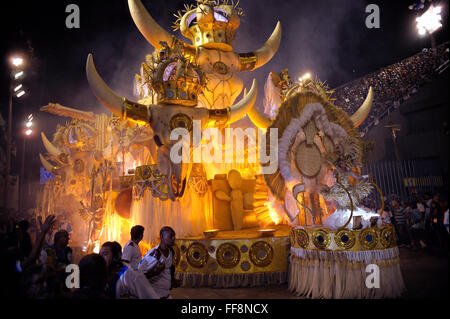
(83, 151)
(172, 87)
(230, 222)
(320, 154)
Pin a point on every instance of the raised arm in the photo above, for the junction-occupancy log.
(35, 252)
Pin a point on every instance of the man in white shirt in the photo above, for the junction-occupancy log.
(157, 264)
(131, 252)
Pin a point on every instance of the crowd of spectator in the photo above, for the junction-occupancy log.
(422, 223)
(34, 267)
(392, 85)
(35, 257)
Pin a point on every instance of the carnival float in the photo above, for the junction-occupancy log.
(238, 222)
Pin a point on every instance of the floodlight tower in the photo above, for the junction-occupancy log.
(16, 91)
(429, 23)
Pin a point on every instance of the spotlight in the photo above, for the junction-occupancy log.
(18, 88)
(29, 132)
(430, 21)
(18, 75)
(305, 77)
(20, 94)
(16, 61)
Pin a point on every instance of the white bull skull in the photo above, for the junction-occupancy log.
(165, 118)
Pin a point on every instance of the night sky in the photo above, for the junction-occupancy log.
(325, 37)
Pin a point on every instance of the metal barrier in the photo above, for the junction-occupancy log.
(402, 180)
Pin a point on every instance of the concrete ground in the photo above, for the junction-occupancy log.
(425, 273)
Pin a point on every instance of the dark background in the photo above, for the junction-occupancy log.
(325, 37)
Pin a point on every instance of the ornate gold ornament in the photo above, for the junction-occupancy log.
(199, 184)
(302, 238)
(368, 238)
(149, 177)
(143, 173)
(197, 255)
(245, 266)
(228, 255)
(221, 68)
(181, 121)
(387, 237)
(261, 254)
(345, 239)
(321, 239)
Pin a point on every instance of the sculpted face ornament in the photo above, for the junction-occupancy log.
(166, 116)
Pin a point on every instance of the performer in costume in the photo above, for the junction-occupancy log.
(158, 266)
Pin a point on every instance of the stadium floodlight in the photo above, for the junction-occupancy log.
(306, 76)
(18, 75)
(430, 21)
(17, 61)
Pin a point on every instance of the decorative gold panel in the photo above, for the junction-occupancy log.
(261, 254)
(197, 255)
(228, 255)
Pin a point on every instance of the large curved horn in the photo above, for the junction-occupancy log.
(238, 111)
(151, 30)
(102, 91)
(118, 105)
(49, 167)
(258, 118)
(51, 149)
(264, 54)
(360, 116)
